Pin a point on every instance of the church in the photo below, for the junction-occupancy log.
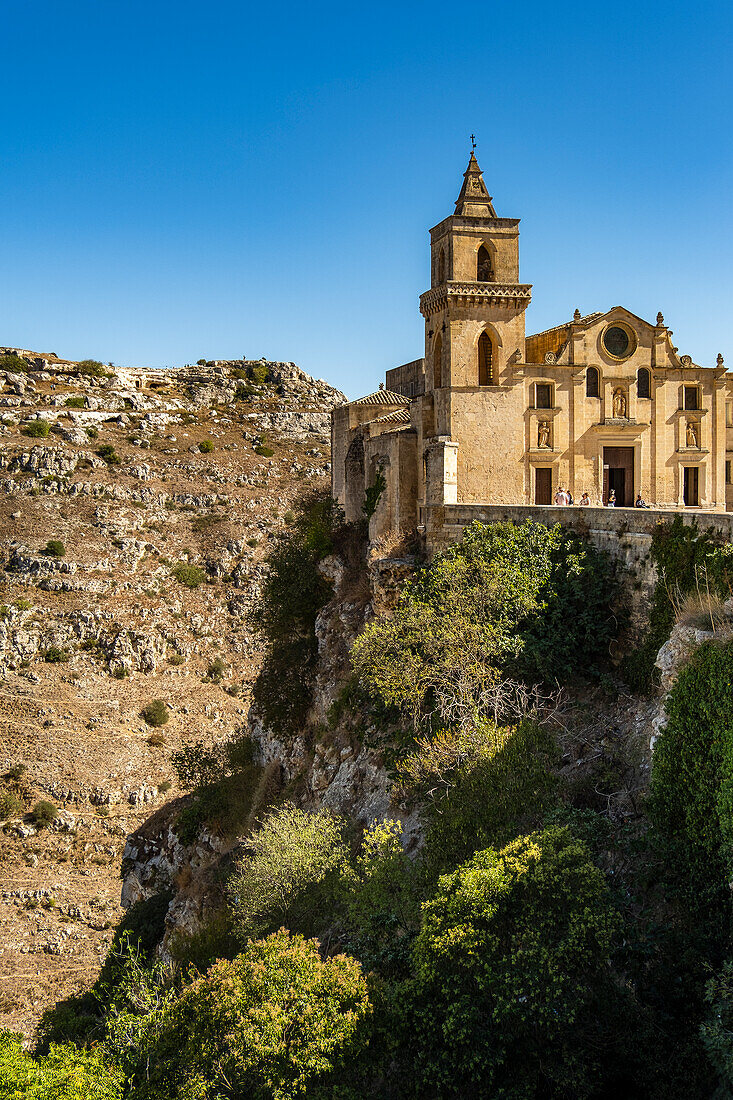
(601, 404)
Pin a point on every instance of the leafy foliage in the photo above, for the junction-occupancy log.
(206, 446)
(717, 1028)
(92, 367)
(373, 494)
(293, 593)
(13, 364)
(691, 800)
(109, 455)
(511, 958)
(287, 859)
(190, 575)
(65, 1073)
(43, 813)
(55, 549)
(37, 429)
(270, 1025)
(156, 713)
(685, 558)
(527, 600)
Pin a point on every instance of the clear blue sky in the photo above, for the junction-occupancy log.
(186, 179)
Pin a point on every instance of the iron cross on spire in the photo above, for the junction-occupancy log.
(473, 142)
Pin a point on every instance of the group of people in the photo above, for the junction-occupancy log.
(564, 497)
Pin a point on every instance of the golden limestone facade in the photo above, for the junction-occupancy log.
(601, 404)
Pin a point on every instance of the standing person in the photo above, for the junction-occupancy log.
(584, 501)
(569, 496)
(560, 497)
(612, 499)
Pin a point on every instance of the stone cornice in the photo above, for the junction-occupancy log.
(469, 294)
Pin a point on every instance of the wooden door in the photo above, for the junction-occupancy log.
(692, 486)
(543, 485)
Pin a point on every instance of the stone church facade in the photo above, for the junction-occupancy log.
(492, 416)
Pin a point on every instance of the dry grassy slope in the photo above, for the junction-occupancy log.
(73, 725)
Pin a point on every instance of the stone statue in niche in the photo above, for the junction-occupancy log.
(691, 434)
(619, 405)
(543, 434)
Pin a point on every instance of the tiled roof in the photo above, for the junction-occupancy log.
(399, 416)
(382, 397)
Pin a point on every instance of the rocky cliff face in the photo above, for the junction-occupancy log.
(325, 769)
(130, 555)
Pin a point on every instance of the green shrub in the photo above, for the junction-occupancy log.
(691, 800)
(10, 804)
(206, 446)
(263, 451)
(92, 367)
(289, 518)
(155, 713)
(36, 429)
(43, 813)
(259, 373)
(190, 575)
(685, 559)
(216, 670)
(512, 969)
(55, 656)
(74, 402)
(717, 1028)
(55, 549)
(92, 433)
(286, 860)
(65, 1073)
(292, 594)
(108, 454)
(13, 364)
(526, 601)
(496, 783)
(275, 1023)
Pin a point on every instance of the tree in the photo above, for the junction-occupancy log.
(527, 601)
(270, 1025)
(65, 1073)
(288, 858)
(511, 969)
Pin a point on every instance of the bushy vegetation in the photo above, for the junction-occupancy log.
(527, 601)
(498, 1021)
(37, 429)
(55, 548)
(156, 713)
(206, 446)
(293, 593)
(13, 364)
(43, 813)
(537, 945)
(192, 576)
(686, 560)
(74, 402)
(65, 1073)
(93, 368)
(108, 454)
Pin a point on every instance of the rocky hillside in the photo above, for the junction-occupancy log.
(135, 509)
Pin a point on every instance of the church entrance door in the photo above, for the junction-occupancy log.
(618, 475)
(543, 485)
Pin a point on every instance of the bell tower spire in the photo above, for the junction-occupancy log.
(474, 199)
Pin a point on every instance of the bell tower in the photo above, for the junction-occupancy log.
(474, 310)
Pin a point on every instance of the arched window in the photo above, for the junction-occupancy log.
(592, 382)
(485, 360)
(438, 362)
(643, 383)
(441, 267)
(484, 267)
